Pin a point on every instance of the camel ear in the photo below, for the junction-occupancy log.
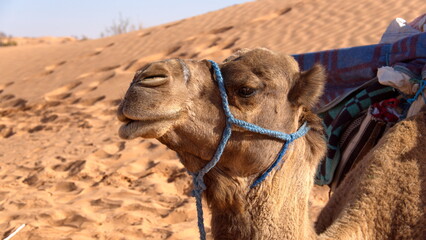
(309, 87)
(236, 55)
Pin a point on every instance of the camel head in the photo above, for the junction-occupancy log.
(178, 102)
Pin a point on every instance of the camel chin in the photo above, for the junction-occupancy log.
(144, 128)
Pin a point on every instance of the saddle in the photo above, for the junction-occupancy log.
(353, 133)
(356, 109)
(353, 128)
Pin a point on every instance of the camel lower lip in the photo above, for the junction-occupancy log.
(129, 129)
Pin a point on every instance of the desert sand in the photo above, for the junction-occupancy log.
(35, 41)
(66, 174)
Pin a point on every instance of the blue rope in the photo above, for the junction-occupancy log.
(198, 178)
(420, 91)
(277, 160)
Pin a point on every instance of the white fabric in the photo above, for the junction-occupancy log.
(399, 80)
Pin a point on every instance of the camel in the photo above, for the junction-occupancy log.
(177, 102)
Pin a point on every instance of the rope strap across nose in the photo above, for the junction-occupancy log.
(198, 177)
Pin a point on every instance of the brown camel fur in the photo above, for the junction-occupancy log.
(177, 102)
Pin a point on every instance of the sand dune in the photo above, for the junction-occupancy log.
(21, 41)
(63, 169)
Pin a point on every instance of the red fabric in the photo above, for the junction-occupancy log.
(383, 112)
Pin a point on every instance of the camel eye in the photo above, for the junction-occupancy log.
(246, 92)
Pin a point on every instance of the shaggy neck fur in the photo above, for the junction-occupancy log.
(239, 212)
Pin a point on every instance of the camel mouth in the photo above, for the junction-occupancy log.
(150, 128)
(142, 128)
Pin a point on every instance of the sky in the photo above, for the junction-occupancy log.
(89, 18)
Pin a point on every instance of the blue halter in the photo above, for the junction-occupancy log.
(198, 177)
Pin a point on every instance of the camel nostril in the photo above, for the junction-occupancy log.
(153, 81)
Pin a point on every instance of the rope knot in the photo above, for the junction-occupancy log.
(199, 185)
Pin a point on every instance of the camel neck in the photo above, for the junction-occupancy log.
(276, 209)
